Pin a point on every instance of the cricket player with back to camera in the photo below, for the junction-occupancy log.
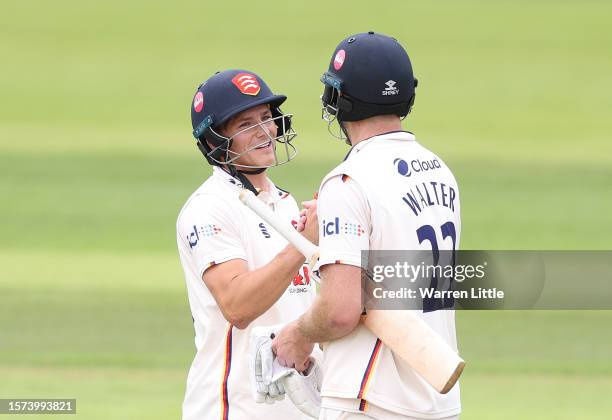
(239, 273)
(389, 193)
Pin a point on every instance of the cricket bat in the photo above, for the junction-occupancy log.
(404, 332)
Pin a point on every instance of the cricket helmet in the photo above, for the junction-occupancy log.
(369, 74)
(225, 95)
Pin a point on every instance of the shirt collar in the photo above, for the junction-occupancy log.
(226, 178)
(270, 198)
(391, 135)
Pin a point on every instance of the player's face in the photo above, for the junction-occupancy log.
(253, 134)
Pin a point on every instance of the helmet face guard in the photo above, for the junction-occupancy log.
(220, 153)
(331, 94)
(222, 97)
(331, 101)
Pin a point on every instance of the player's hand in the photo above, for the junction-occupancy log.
(291, 348)
(308, 224)
(302, 220)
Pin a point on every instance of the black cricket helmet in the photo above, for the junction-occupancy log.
(369, 74)
(225, 95)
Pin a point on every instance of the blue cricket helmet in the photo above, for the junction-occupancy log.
(369, 74)
(221, 97)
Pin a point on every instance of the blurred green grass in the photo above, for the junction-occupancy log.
(96, 159)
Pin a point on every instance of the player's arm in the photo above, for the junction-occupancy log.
(211, 230)
(335, 312)
(243, 294)
(337, 308)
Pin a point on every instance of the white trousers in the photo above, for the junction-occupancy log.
(331, 414)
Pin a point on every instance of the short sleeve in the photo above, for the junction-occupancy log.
(344, 222)
(208, 232)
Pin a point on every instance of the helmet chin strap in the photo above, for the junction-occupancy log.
(253, 171)
(240, 175)
(343, 128)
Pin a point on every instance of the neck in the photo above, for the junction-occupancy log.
(259, 181)
(359, 131)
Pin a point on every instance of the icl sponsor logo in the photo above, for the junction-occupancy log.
(331, 228)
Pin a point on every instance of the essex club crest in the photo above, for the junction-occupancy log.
(246, 83)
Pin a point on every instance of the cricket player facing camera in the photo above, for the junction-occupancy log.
(239, 272)
(390, 193)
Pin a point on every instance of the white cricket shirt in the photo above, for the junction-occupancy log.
(388, 188)
(213, 227)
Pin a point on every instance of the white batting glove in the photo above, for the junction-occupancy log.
(276, 392)
(264, 388)
(304, 389)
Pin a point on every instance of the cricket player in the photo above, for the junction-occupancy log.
(390, 193)
(239, 272)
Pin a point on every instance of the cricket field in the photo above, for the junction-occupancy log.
(96, 159)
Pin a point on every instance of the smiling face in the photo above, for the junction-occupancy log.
(253, 133)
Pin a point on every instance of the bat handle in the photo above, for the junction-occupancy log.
(306, 248)
(312, 261)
